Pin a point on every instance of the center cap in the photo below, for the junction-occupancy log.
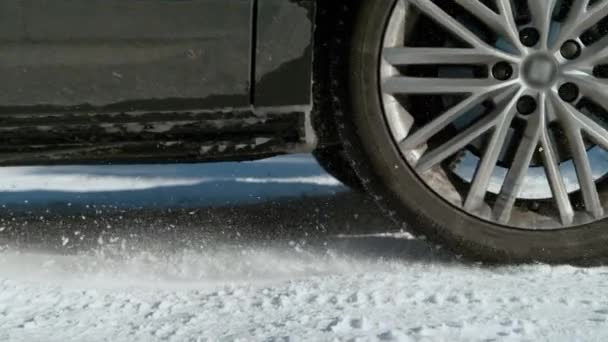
(540, 70)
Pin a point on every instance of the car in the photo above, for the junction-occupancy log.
(480, 125)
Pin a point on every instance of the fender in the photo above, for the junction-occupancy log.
(284, 53)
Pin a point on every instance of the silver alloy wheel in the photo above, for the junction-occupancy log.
(502, 109)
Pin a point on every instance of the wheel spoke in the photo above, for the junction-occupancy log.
(447, 21)
(481, 180)
(585, 175)
(425, 133)
(581, 17)
(506, 10)
(577, 11)
(582, 164)
(516, 175)
(591, 16)
(503, 23)
(592, 55)
(542, 12)
(422, 85)
(556, 180)
(420, 56)
(595, 131)
(592, 88)
(596, 91)
(457, 143)
(573, 20)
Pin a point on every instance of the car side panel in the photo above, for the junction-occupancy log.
(144, 55)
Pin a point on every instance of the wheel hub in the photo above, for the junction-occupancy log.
(532, 118)
(540, 70)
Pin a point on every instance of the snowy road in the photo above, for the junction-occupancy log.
(270, 251)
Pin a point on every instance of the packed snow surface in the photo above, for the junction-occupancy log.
(321, 266)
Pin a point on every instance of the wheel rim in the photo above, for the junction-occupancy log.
(501, 107)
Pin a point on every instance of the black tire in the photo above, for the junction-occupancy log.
(396, 186)
(336, 163)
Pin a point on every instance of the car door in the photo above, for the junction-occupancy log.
(125, 54)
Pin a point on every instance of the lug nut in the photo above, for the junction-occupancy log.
(526, 105)
(568, 92)
(529, 36)
(571, 49)
(502, 71)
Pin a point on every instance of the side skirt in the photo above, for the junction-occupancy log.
(152, 137)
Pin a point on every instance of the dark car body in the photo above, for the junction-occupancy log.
(115, 81)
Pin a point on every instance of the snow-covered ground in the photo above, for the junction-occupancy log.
(272, 250)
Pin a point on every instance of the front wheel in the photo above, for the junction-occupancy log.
(483, 125)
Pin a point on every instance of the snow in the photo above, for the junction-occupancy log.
(322, 265)
(138, 177)
(192, 185)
